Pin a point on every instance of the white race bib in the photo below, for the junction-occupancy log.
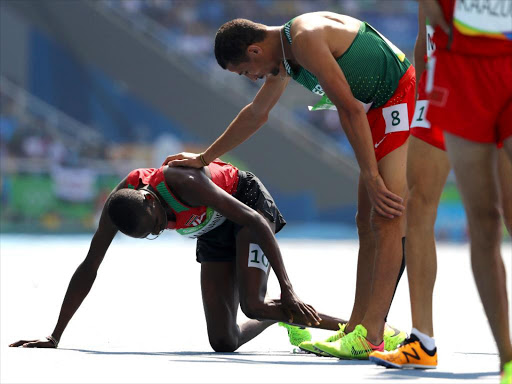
(213, 220)
(491, 18)
(420, 115)
(257, 258)
(431, 47)
(431, 66)
(396, 117)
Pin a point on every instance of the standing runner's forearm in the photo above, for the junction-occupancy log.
(434, 12)
(419, 61)
(356, 127)
(420, 47)
(250, 118)
(245, 124)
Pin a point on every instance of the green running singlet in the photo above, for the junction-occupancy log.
(372, 66)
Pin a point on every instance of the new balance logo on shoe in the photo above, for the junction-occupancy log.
(407, 354)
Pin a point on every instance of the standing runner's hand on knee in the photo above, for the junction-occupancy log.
(385, 202)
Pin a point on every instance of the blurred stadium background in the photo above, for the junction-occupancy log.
(90, 90)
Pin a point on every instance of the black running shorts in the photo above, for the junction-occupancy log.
(220, 243)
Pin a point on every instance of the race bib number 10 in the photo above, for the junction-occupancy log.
(396, 118)
(257, 258)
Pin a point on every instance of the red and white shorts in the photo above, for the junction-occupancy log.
(390, 123)
(421, 127)
(471, 96)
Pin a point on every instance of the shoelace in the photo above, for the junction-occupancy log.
(358, 342)
(390, 331)
(409, 340)
(296, 335)
(338, 335)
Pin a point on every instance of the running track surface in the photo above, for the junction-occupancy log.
(143, 320)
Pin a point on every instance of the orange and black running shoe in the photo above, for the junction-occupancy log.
(411, 354)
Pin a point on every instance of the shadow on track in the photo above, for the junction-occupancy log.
(259, 358)
(234, 357)
(396, 375)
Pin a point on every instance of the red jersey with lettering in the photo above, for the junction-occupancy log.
(478, 27)
(471, 83)
(190, 221)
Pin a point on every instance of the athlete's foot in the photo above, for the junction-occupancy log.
(309, 346)
(353, 345)
(506, 374)
(411, 354)
(393, 337)
(296, 334)
(349, 327)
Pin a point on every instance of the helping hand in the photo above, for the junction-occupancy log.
(184, 159)
(305, 314)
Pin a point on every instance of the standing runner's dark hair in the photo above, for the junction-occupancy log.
(233, 38)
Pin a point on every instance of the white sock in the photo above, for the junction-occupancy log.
(427, 341)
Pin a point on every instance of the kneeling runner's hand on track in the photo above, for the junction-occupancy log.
(41, 343)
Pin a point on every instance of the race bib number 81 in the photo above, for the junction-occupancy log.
(396, 118)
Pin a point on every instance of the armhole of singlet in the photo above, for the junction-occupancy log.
(360, 31)
(289, 34)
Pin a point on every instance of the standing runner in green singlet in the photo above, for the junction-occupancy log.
(371, 83)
